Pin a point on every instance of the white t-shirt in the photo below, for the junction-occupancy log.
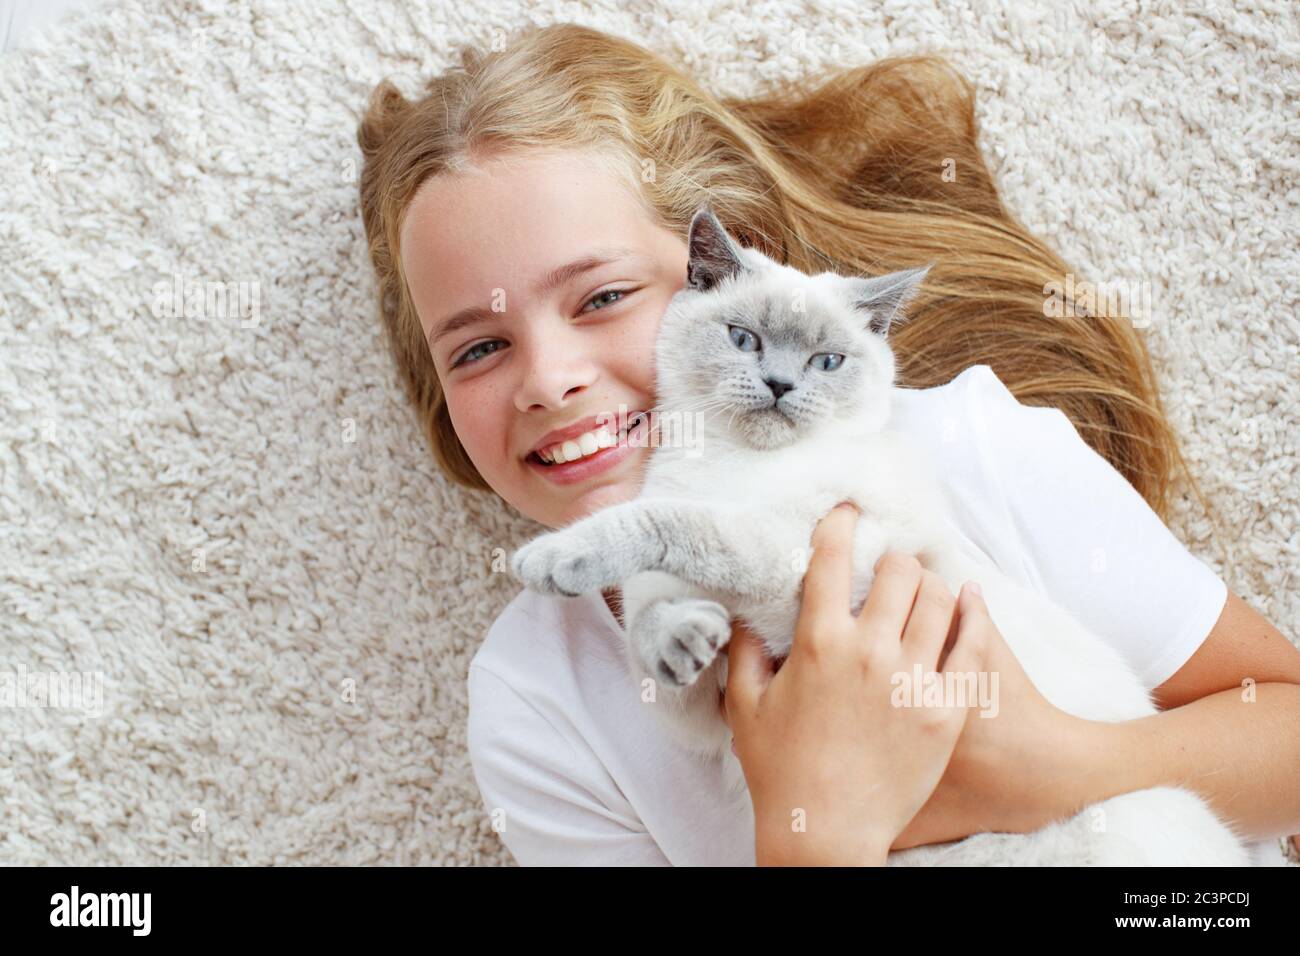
(575, 768)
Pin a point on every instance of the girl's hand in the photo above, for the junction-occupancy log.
(1015, 770)
(835, 770)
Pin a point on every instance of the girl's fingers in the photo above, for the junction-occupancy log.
(970, 649)
(748, 671)
(828, 582)
(949, 639)
(892, 594)
(931, 620)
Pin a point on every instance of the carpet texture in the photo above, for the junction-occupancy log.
(226, 509)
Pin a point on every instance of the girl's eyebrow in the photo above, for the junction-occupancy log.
(548, 283)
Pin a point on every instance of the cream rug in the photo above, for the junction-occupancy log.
(227, 510)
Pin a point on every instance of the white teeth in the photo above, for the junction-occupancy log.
(585, 444)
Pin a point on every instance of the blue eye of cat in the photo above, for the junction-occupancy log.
(829, 361)
(741, 338)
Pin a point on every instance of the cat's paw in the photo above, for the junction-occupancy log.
(559, 563)
(691, 634)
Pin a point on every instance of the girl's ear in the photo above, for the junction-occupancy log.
(712, 254)
(882, 298)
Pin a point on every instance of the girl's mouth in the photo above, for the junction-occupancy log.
(572, 472)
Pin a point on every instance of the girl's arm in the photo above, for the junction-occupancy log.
(1232, 734)
(1092, 543)
(1230, 730)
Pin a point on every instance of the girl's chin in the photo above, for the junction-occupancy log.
(589, 502)
(559, 514)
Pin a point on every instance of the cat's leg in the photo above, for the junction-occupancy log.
(673, 652)
(601, 550)
(662, 610)
(678, 638)
(1069, 842)
(982, 849)
(1163, 826)
(719, 549)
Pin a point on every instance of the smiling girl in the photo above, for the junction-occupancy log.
(527, 221)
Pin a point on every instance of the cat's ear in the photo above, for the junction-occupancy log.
(713, 255)
(881, 299)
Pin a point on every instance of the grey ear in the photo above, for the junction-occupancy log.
(713, 255)
(883, 297)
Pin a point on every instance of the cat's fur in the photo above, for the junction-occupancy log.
(722, 528)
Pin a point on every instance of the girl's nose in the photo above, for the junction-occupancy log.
(555, 368)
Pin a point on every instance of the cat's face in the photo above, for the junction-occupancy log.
(770, 355)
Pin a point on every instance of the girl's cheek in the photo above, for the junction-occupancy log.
(480, 411)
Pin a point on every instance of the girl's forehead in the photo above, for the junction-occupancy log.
(516, 204)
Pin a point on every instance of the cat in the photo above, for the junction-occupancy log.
(789, 377)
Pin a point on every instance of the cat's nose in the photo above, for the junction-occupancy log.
(777, 386)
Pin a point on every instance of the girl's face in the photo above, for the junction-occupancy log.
(540, 283)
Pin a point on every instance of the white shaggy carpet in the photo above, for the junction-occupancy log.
(236, 521)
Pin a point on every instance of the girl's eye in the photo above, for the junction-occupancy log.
(743, 339)
(827, 361)
(601, 295)
(465, 356)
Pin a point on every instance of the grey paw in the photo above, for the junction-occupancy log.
(691, 634)
(557, 563)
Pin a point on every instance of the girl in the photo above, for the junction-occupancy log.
(527, 222)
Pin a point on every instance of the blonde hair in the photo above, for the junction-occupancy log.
(863, 171)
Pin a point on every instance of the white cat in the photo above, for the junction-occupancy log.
(789, 379)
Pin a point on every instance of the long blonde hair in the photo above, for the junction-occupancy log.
(863, 171)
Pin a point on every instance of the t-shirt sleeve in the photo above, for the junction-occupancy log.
(1088, 539)
(539, 790)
